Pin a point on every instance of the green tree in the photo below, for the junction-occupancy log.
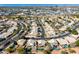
(77, 43)
(74, 32)
(20, 50)
(9, 50)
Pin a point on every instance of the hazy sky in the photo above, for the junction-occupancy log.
(14, 5)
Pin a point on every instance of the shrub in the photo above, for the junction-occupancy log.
(72, 51)
(64, 52)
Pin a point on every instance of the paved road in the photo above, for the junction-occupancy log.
(13, 38)
(4, 30)
(40, 25)
(22, 33)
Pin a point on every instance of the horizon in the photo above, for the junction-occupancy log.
(21, 5)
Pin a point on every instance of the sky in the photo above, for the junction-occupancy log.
(15, 5)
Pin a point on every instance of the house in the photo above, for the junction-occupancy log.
(21, 42)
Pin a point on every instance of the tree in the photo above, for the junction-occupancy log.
(28, 50)
(74, 32)
(20, 50)
(20, 18)
(77, 43)
(48, 48)
(9, 50)
(69, 29)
